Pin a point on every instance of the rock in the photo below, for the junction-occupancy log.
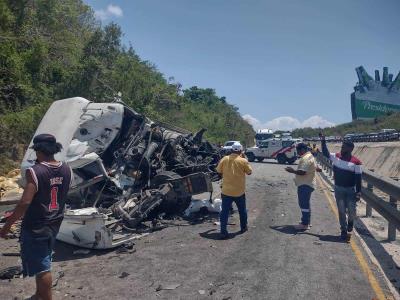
(171, 286)
(123, 275)
(202, 292)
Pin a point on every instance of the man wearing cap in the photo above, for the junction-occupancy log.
(233, 169)
(305, 182)
(42, 208)
(347, 177)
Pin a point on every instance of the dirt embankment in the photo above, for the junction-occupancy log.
(383, 157)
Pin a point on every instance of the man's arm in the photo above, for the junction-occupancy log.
(297, 172)
(302, 168)
(219, 167)
(247, 169)
(325, 151)
(22, 206)
(358, 173)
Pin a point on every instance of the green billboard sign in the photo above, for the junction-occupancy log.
(366, 109)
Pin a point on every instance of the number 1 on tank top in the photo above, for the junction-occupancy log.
(53, 199)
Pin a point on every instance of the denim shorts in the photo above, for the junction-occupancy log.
(36, 253)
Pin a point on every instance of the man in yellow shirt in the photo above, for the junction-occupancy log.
(305, 182)
(233, 169)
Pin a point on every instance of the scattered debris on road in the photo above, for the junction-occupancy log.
(60, 275)
(171, 286)
(211, 206)
(10, 272)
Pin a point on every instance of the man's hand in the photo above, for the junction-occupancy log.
(358, 196)
(5, 231)
(290, 169)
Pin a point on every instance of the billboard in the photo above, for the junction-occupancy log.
(375, 97)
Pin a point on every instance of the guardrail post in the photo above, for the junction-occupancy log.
(391, 227)
(368, 209)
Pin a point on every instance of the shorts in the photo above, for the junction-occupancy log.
(36, 253)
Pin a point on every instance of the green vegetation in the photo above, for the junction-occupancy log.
(391, 121)
(53, 50)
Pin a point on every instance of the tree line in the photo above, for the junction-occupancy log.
(52, 50)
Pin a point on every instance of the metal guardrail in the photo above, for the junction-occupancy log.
(357, 138)
(386, 209)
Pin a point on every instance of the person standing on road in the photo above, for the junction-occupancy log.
(347, 177)
(314, 150)
(42, 208)
(233, 169)
(305, 182)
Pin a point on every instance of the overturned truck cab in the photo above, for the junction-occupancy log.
(126, 169)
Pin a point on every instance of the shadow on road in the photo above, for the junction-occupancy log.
(289, 229)
(274, 162)
(213, 234)
(325, 237)
(65, 252)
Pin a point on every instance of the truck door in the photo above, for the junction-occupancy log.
(272, 148)
(263, 149)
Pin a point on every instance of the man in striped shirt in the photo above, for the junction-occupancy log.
(347, 177)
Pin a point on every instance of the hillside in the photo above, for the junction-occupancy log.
(359, 126)
(52, 50)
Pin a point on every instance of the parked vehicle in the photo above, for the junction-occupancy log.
(227, 148)
(284, 151)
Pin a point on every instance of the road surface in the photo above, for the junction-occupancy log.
(270, 261)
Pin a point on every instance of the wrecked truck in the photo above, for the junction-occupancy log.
(126, 169)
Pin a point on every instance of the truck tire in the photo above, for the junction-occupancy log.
(250, 156)
(260, 159)
(291, 160)
(281, 159)
(169, 206)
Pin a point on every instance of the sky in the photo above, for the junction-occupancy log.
(285, 64)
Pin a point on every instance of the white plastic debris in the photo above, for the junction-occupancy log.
(196, 205)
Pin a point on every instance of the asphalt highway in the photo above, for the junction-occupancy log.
(187, 261)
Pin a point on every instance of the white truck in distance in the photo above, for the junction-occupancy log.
(283, 150)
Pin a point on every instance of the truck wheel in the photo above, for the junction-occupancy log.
(250, 156)
(281, 159)
(169, 205)
(292, 160)
(260, 159)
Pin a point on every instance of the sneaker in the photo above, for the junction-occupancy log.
(302, 227)
(348, 237)
(310, 225)
(349, 226)
(244, 230)
(223, 236)
(343, 235)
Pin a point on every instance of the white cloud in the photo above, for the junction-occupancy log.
(288, 123)
(110, 11)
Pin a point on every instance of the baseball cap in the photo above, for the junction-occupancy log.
(44, 138)
(46, 143)
(301, 146)
(237, 147)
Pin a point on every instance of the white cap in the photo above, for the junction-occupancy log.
(237, 147)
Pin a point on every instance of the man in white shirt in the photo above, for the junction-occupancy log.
(305, 182)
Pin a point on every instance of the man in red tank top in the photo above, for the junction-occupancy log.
(42, 208)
